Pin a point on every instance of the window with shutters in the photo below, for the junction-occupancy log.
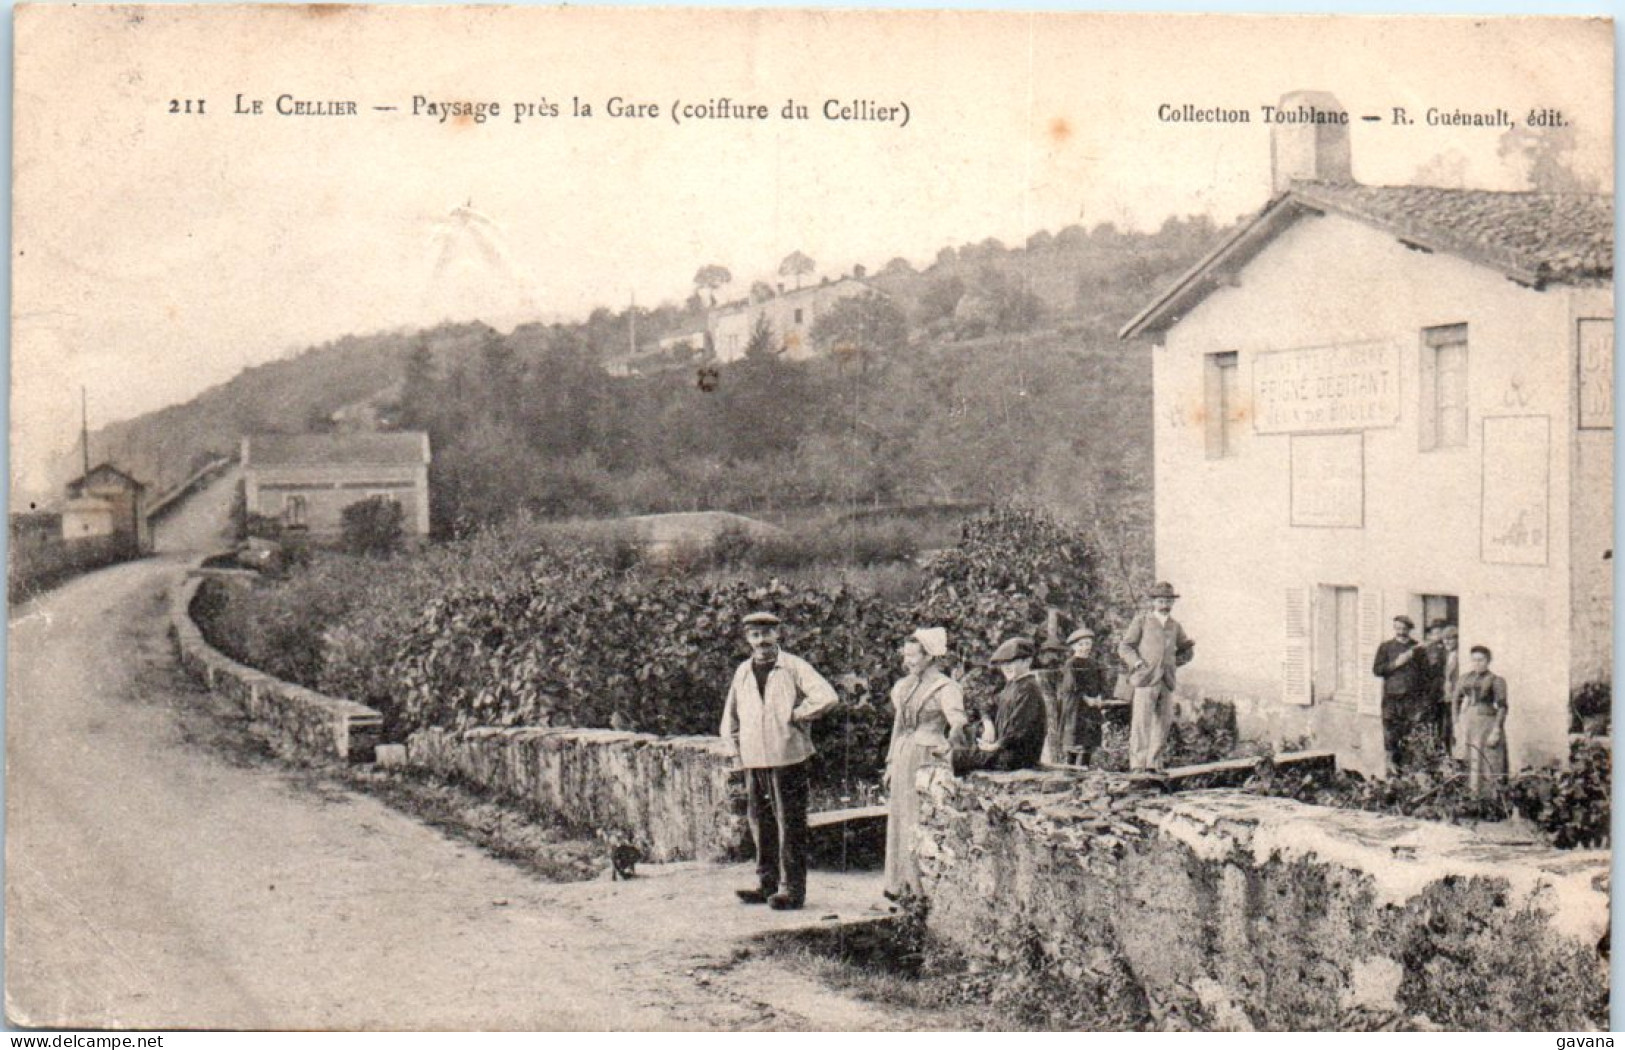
(293, 512)
(1337, 644)
(1443, 387)
(1296, 673)
(1221, 408)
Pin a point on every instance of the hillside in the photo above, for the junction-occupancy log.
(287, 396)
(488, 398)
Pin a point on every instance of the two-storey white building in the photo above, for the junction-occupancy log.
(1374, 400)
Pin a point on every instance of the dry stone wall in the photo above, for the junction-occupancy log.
(1224, 910)
(676, 798)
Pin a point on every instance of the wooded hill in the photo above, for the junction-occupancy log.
(1010, 382)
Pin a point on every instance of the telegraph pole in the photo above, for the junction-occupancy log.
(84, 430)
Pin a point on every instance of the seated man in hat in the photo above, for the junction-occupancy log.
(1016, 740)
(1153, 648)
(772, 700)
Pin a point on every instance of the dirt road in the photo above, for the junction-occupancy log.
(157, 880)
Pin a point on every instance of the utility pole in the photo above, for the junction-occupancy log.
(84, 430)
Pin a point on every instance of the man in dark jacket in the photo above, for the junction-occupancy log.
(1014, 738)
(1402, 665)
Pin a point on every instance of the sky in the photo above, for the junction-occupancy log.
(159, 253)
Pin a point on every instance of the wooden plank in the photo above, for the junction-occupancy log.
(831, 817)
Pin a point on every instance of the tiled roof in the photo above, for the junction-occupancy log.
(1534, 238)
(1558, 238)
(104, 472)
(393, 448)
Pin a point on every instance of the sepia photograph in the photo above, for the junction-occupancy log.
(679, 519)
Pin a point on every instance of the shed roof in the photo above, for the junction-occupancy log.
(372, 448)
(1533, 238)
(103, 472)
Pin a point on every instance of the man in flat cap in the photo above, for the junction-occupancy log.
(1014, 738)
(1153, 648)
(1401, 663)
(772, 700)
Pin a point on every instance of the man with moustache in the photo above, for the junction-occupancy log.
(772, 701)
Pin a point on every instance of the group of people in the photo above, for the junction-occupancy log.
(1423, 685)
(1039, 716)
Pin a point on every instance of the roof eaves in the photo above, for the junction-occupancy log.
(1237, 248)
(1417, 235)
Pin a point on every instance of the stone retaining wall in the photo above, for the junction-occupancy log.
(678, 798)
(297, 720)
(1224, 910)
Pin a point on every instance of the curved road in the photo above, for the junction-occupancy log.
(154, 880)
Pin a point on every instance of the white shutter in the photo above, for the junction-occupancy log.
(1427, 406)
(1371, 636)
(1295, 669)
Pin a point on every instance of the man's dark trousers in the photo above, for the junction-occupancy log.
(776, 807)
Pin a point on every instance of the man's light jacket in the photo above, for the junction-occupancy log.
(772, 730)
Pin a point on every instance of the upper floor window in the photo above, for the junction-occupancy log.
(1222, 405)
(1443, 409)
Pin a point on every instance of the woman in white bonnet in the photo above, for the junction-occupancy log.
(930, 707)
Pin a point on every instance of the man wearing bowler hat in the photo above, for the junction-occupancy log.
(772, 700)
(1153, 648)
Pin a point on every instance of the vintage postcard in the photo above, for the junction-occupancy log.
(570, 518)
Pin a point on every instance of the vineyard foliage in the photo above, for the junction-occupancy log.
(517, 627)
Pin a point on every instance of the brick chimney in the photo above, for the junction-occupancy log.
(1309, 139)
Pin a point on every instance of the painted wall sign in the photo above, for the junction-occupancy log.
(1328, 480)
(1517, 479)
(1596, 374)
(1353, 386)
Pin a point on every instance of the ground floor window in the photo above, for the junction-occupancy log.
(1337, 643)
(293, 511)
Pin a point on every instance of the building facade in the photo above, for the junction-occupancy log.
(1373, 401)
(305, 481)
(110, 506)
(790, 315)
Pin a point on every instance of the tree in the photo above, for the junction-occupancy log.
(709, 278)
(418, 387)
(797, 265)
(373, 526)
(862, 328)
(897, 267)
(1447, 170)
(761, 292)
(940, 299)
(1040, 241)
(1547, 155)
(761, 342)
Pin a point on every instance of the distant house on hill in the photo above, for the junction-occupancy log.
(1375, 401)
(109, 506)
(789, 313)
(306, 480)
